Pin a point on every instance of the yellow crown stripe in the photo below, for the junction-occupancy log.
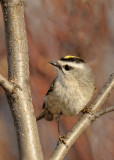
(67, 57)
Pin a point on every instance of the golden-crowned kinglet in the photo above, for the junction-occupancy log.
(71, 90)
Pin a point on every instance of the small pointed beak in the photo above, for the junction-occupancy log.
(56, 64)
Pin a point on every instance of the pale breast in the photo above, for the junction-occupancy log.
(68, 101)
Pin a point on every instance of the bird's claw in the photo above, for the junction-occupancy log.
(61, 139)
(87, 110)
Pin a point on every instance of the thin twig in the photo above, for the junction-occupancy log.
(103, 111)
(5, 84)
(84, 121)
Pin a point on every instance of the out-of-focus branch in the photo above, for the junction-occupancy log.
(84, 121)
(5, 84)
(18, 74)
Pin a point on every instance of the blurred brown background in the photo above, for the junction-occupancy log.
(56, 28)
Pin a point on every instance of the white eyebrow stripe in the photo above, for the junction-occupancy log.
(76, 65)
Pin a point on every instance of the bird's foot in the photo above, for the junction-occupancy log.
(87, 110)
(61, 139)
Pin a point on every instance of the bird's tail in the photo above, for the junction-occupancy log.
(45, 114)
(42, 115)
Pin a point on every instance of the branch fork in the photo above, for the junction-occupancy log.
(6, 85)
(86, 120)
(17, 89)
(22, 111)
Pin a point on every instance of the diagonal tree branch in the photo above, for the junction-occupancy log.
(18, 74)
(102, 112)
(84, 121)
(5, 84)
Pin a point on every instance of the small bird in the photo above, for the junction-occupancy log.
(70, 91)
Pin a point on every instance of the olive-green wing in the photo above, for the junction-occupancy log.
(51, 88)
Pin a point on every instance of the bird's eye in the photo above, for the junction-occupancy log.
(67, 68)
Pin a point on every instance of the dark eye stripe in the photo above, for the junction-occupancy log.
(67, 68)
